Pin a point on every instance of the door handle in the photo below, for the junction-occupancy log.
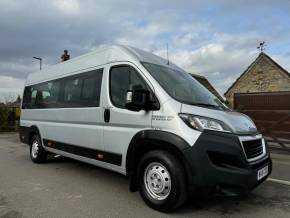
(107, 115)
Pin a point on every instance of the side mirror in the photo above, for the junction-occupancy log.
(137, 99)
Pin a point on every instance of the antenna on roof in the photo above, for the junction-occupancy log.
(167, 53)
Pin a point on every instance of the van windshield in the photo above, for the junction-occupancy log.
(183, 87)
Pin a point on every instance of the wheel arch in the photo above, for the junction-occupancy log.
(26, 133)
(147, 140)
(33, 131)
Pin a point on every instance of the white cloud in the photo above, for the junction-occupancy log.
(11, 82)
(9, 95)
(10, 88)
(71, 7)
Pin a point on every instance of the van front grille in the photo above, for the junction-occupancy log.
(253, 148)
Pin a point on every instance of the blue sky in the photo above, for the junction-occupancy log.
(217, 39)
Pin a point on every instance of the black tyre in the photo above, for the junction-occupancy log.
(161, 181)
(37, 152)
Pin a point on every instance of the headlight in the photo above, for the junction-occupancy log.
(201, 123)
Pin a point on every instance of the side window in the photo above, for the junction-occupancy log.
(91, 91)
(83, 90)
(27, 98)
(88, 88)
(54, 92)
(38, 97)
(72, 90)
(46, 95)
(33, 97)
(121, 78)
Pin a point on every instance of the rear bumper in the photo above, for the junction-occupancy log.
(218, 163)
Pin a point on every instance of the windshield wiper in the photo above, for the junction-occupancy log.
(206, 105)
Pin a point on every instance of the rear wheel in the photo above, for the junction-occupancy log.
(37, 152)
(161, 181)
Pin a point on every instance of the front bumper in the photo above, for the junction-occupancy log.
(217, 162)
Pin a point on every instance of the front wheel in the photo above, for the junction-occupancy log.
(161, 181)
(37, 152)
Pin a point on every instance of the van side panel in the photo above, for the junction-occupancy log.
(79, 126)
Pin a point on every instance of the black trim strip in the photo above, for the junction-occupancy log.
(107, 157)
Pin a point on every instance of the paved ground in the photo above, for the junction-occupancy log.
(281, 168)
(66, 188)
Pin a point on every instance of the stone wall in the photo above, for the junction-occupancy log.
(263, 76)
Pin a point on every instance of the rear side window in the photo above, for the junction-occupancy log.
(72, 90)
(82, 90)
(121, 78)
(47, 95)
(27, 97)
(89, 88)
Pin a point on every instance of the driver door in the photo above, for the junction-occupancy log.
(122, 124)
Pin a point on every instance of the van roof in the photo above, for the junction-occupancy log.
(100, 56)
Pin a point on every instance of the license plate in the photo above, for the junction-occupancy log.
(262, 172)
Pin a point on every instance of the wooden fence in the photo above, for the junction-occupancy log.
(275, 126)
(271, 113)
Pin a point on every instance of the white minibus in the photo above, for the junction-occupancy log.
(132, 112)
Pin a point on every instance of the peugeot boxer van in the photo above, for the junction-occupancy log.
(129, 111)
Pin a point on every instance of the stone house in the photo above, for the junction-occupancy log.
(263, 75)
